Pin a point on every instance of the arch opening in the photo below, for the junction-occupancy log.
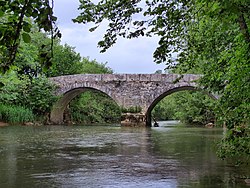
(176, 91)
(62, 111)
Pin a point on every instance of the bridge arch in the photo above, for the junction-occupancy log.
(57, 113)
(127, 90)
(169, 92)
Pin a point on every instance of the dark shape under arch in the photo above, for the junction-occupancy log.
(169, 92)
(56, 115)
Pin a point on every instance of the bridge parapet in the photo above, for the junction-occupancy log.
(72, 81)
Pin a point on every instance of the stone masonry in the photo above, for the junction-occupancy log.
(127, 90)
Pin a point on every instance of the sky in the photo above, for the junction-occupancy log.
(126, 56)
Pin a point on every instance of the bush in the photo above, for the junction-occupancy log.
(39, 96)
(15, 114)
(235, 145)
(94, 107)
(36, 94)
(187, 106)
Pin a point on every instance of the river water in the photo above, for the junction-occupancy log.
(113, 156)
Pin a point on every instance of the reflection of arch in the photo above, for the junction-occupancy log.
(56, 115)
(169, 92)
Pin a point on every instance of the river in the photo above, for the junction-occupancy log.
(168, 156)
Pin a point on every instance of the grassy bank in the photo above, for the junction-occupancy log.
(15, 114)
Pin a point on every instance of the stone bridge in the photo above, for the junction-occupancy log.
(127, 90)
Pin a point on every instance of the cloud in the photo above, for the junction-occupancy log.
(126, 56)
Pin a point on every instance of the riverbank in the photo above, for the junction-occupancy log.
(3, 124)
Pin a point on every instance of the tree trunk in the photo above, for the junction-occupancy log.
(244, 28)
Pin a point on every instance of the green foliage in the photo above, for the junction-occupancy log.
(165, 109)
(93, 67)
(195, 108)
(12, 89)
(15, 114)
(219, 45)
(15, 26)
(219, 49)
(188, 107)
(235, 146)
(28, 59)
(37, 94)
(94, 107)
(65, 61)
(39, 100)
(167, 19)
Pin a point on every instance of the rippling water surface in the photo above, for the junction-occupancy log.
(112, 156)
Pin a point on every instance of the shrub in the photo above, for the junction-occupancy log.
(94, 107)
(235, 145)
(36, 94)
(16, 114)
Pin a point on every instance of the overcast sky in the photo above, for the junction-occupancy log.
(126, 56)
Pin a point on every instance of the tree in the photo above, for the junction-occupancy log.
(166, 19)
(17, 18)
(93, 67)
(170, 20)
(65, 61)
(211, 37)
(27, 61)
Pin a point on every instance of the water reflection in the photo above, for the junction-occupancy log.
(101, 156)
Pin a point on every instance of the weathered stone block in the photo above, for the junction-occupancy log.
(145, 77)
(90, 77)
(194, 77)
(113, 77)
(186, 78)
(155, 77)
(133, 77)
(167, 78)
(176, 78)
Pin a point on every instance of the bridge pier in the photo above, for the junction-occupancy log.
(135, 120)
